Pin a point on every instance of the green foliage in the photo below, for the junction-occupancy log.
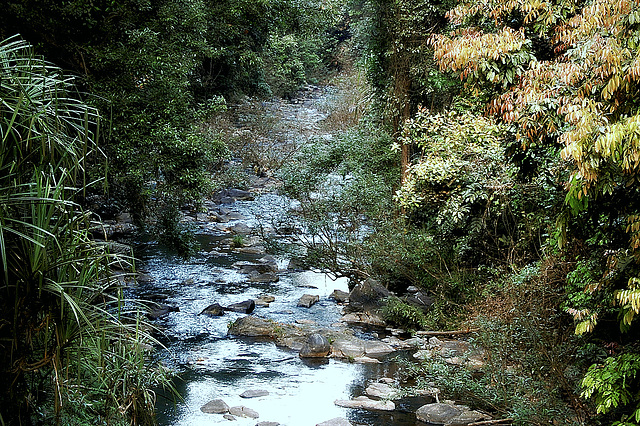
(613, 385)
(69, 341)
(403, 315)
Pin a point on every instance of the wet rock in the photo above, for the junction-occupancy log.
(366, 403)
(252, 250)
(317, 346)
(161, 311)
(252, 326)
(267, 277)
(449, 414)
(242, 411)
(217, 406)
(308, 300)
(338, 421)
(366, 360)
(240, 229)
(214, 310)
(374, 348)
(245, 307)
(368, 296)
(256, 268)
(348, 348)
(381, 391)
(229, 417)
(339, 296)
(295, 265)
(305, 321)
(363, 318)
(254, 393)
(239, 195)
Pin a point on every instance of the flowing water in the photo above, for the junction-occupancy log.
(210, 364)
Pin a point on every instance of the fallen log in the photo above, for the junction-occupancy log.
(447, 333)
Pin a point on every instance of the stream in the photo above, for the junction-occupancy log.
(210, 364)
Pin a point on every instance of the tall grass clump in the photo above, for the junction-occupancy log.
(70, 346)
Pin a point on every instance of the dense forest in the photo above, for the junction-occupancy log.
(491, 149)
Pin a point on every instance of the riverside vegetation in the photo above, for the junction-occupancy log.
(489, 158)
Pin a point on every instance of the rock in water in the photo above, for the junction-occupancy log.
(368, 296)
(217, 406)
(449, 414)
(339, 296)
(317, 346)
(308, 300)
(214, 310)
(366, 404)
(254, 393)
(245, 307)
(242, 411)
(162, 311)
(338, 421)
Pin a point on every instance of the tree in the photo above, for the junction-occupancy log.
(565, 74)
(67, 342)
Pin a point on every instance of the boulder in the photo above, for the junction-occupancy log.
(161, 311)
(338, 421)
(242, 411)
(308, 300)
(256, 268)
(245, 307)
(363, 318)
(254, 393)
(317, 346)
(449, 414)
(381, 391)
(366, 403)
(267, 277)
(339, 296)
(239, 195)
(240, 229)
(368, 296)
(252, 326)
(217, 406)
(419, 299)
(214, 310)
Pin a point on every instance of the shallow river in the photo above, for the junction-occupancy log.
(211, 365)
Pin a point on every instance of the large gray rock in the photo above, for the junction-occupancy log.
(308, 300)
(267, 277)
(338, 421)
(449, 414)
(368, 296)
(161, 311)
(420, 300)
(339, 296)
(213, 310)
(381, 391)
(317, 346)
(256, 267)
(242, 411)
(245, 307)
(366, 403)
(252, 326)
(217, 406)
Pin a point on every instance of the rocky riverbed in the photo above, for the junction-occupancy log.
(256, 340)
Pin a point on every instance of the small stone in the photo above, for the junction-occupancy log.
(217, 406)
(254, 393)
(268, 424)
(229, 417)
(308, 300)
(242, 411)
(338, 421)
